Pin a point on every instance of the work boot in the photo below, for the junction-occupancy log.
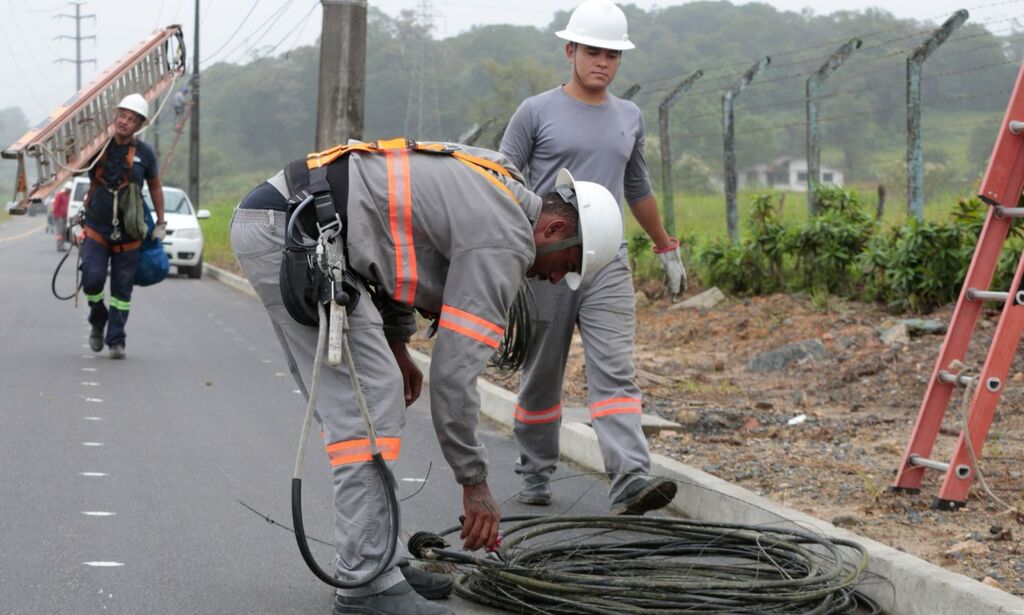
(430, 585)
(96, 338)
(643, 495)
(396, 600)
(536, 490)
(117, 351)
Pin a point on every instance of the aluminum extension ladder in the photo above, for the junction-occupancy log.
(78, 129)
(1001, 188)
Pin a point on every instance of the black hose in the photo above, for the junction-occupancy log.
(388, 483)
(53, 281)
(519, 333)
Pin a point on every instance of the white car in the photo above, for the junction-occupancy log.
(184, 241)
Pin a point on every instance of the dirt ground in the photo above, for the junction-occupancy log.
(860, 402)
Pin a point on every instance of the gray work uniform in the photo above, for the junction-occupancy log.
(432, 233)
(602, 144)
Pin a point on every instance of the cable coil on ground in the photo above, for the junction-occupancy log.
(555, 565)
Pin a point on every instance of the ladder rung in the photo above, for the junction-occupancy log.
(957, 379)
(986, 295)
(962, 471)
(1009, 212)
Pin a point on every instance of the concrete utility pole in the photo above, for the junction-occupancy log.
(814, 83)
(339, 114)
(915, 146)
(78, 38)
(668, 214)
(193, 132)
(729, 143)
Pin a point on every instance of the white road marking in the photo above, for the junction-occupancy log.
(104, 564)
(97, 474)
(280, 374)
(266, 361)
(93, 400)
(88, 369)
(98, 513)
(414, 480)
(90, 384)
(93, 418)
(92, 444)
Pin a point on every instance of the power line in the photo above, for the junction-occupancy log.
(240, 24)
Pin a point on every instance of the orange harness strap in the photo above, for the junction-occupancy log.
(117, 248)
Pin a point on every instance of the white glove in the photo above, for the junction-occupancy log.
(160, 231)
(673, 268)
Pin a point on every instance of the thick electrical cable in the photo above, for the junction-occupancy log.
(567, 565)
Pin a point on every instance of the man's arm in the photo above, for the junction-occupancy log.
(517, 142)
(156, 192)
(646, 213)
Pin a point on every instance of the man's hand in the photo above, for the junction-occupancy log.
(480, 529)
(673, 268)
(412, 377)
(160, 231)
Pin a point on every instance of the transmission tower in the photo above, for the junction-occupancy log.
(422, 112)
(78, 38)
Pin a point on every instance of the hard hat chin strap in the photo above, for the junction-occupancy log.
(560, 245)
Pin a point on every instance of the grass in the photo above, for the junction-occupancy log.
(216, 238)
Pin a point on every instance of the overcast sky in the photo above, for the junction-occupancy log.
(33, 77)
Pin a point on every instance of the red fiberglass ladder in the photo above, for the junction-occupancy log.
(1001, 188)
(78, 129)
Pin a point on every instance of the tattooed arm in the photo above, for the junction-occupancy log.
(480, 529)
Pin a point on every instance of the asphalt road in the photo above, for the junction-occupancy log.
(123, 481)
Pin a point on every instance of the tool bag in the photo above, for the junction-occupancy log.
(153, 264)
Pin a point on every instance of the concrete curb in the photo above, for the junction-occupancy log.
(904, 584)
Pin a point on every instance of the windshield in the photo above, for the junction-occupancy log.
(81, 189)
(175, 201)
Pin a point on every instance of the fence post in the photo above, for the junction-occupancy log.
(915, 148)
(729, 143)
(814, 82)
(668, 215)
(630, 92)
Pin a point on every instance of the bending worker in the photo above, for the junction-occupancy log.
(580, 125)
(110, 237)
(450, 231)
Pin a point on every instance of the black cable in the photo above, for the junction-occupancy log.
(519, 333)
(387, 481)
(554, 565)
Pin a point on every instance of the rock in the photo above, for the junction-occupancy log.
(921, 326)
(896, 335)
(751, 424)
(846, 520)
(787, 355)
(991, 582)
(688, 417)
(764, 405)
(640, 299)
(704, 301)
(967, 547)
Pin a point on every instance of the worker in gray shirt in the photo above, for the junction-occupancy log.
(600, 138)
(450, 231)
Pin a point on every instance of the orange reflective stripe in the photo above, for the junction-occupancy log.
(326, 157)
(617, 405)
(400, 213)
(533, 417)
(358, 451)
(483, 162)
(471, 326)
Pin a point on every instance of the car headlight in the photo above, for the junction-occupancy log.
(187, 233)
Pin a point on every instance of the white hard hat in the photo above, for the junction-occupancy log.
(597, 23)
(136, 103)
(600, 225)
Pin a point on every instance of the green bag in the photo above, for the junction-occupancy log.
(133, 210)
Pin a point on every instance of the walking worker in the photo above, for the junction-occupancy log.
(450, 231)
(60, 214)
(115, 223)
(582, 126)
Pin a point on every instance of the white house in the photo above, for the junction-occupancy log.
(785, 173)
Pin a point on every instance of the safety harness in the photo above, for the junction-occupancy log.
(318, 207)
(99, 181)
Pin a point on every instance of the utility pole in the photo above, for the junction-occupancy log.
(193, 133)
(732, 216)
(915, 147)
(422, 112)
(340, 99)
(78, 38)
(814, 83)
